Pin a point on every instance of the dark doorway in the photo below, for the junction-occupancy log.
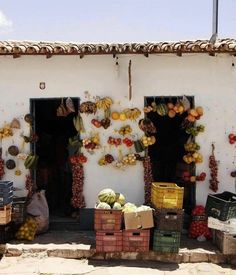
(168, 151)
(53, 171)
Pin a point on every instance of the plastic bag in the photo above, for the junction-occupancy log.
(186, 103)
(38, 207)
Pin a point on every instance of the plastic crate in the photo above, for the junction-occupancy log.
(166, 241)
(226, 242)
(5, 214)
(18, 213)
(109, 241)
(6, 233)
(5, 200)
(5, 191)
(169, 219)
(136, 240)
(221, 206)
(109, 220)
(5, 184)
(167, 195)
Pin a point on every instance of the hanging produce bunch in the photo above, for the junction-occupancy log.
(192, 147)
(77, 200)
(78, 159)
(114, 141)
(6, 131)
(125, 130)
(92, 143)
(214, 171)
(232, 138)
(128, 142)
(106, 159)
(78, 124)
(29, 185)
(148, 179)
(132, 114)
(195, 130)
(194, 114)
(104, 103)
(193, 157)
(187, 177)
(88, 107)
(31, 161)
(148, 141)
(147, 126)
(2, 172)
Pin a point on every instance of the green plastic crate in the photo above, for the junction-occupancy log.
(166, 241)
(221, 206)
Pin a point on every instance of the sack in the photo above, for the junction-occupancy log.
(38, 207)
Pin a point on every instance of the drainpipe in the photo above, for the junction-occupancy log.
(214, 22)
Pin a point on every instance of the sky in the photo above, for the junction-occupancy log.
(84, 21)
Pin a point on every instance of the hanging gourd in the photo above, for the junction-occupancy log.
(162, 109)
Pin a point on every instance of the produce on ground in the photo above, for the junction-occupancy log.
(198, 226)
(77, 200)
(148, 179)
(214, 171)
(27, 231)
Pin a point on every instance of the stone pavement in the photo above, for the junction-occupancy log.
(41, 264)
(80, 245)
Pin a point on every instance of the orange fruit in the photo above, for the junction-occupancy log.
(122, 117)
(115, 115)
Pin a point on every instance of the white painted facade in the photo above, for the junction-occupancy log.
(211, 80)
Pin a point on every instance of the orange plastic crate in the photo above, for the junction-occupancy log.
(109, 241)
(5, 214)
(167, 195)
(107, 220)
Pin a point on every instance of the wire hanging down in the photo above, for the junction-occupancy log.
(130, 85)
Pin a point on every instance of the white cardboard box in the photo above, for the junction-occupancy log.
(227, 226)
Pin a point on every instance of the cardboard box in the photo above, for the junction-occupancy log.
(139, 220)
(227, 226)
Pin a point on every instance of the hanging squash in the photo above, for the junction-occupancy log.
(162, 109)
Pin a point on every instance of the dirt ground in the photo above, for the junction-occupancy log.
(41, 264)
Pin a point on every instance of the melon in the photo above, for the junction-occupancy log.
(116, 206)
(120, 198)
(162, 109)
(103, 205)
(107, 195)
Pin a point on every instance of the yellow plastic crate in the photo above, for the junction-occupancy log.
(167, 195)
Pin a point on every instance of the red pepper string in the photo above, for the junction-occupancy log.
(29, 185)
(148, 179)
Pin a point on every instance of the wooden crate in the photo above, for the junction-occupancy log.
(169, 219)
(109, 220)
(136, 240)
(109, 241)
(5, 214)
(225, 242)
(167, 195)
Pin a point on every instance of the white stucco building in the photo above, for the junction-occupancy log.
(197, 68)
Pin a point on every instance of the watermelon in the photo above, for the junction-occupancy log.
(162, 109)
(117, 206)
(107, 195)
(120, 198)
(103, 205)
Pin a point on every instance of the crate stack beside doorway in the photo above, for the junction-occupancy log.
(167, 199)
(6, 197)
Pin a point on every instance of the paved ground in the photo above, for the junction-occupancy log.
(40, 264)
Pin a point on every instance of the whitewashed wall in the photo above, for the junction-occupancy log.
(212, 80)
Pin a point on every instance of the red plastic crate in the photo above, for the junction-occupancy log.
(109, 241)
(136, 240)
(107, 220)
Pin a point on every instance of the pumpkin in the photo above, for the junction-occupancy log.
(171, 113)
(170, 106)
(115, 115)
(162, 109)
(199, 110)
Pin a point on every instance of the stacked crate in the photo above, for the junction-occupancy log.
(6, 197)
(107, 224)
(221, 209)
(18, 213)
(167, 199)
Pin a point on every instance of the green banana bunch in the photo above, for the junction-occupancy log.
(31, 161)
(78, 123)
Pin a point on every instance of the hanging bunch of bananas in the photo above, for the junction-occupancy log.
(132, 114)
(78, 123)
(31, 161)
(104, 103)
